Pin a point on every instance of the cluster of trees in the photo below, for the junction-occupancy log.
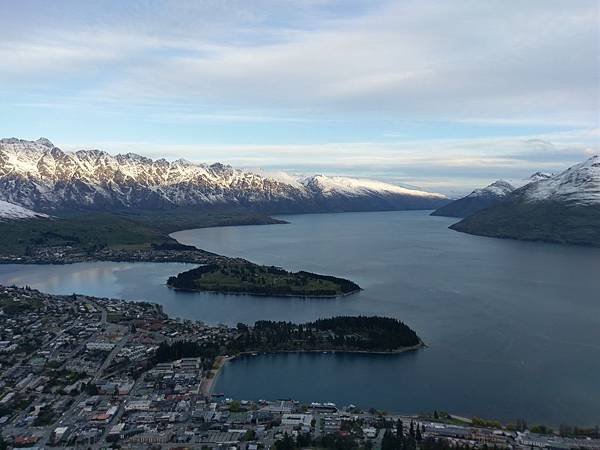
(10, 307)
(187, 279)
(337, 333)
(521, 425)
(45, 417)
(443, 444)
(569, 431)
(167, 352)
(346, 286)
(330, 441)
(380, 332)
(393, 438)
(397, 440)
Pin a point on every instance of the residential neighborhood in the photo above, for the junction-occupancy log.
(86, 372)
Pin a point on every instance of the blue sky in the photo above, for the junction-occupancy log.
(445, 95)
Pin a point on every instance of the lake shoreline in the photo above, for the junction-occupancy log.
(259, 294)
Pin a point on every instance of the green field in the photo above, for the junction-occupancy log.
(237, 276)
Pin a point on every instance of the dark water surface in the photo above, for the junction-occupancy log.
(513, 328)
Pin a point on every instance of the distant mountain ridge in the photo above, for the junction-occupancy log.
(477, 200)
(38, 175)
(563, 208)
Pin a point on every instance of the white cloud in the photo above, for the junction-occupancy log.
(462, 60)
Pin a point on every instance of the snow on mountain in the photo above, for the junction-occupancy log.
(579, 185)
(499, 188)
(477, 200)
(564, 208)
(10, 211)
(39, 175)
(329, 186)
(538, 176)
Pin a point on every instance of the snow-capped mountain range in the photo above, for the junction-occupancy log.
(38, 175)
(579, 184)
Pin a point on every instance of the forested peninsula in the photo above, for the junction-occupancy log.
(361, 334)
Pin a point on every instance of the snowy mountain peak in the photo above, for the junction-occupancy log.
(477, 200)
(45, 142)
(498, 188)
(10, 211)
(593, 162)
(538, 176)
(579, 184)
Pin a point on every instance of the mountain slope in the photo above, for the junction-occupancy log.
(476, 201)
(39, 175)
(578, 185)
(564, 208)
(10, 211)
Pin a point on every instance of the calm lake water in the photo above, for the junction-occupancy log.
(513, 328)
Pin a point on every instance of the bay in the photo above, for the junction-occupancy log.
(512, 328)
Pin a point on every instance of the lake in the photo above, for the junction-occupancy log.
(512, 328)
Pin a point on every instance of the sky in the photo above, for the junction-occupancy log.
(442, 95)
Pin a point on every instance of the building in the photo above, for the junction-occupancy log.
(301, 420)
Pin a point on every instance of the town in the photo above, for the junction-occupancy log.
(87, 372)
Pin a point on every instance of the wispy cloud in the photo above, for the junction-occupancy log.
(333, 84)
(478, 61)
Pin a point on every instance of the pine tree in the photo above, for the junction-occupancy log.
(399, 429)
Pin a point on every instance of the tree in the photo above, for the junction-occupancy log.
(304, 440)
(287, 443)
(91, 389)
(249, 436)
(399, 429)
(235, 406)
